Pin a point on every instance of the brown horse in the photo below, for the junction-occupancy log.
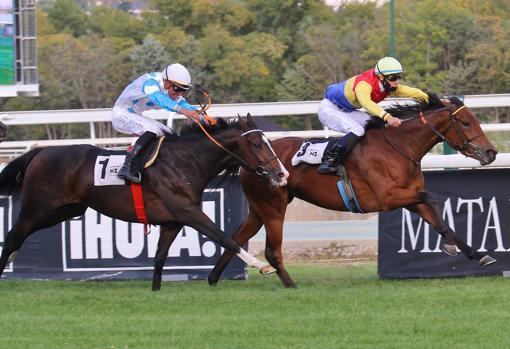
(57, 183)
(384, 169)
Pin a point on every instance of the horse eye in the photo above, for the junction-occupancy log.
(257, 145)
(465, 123)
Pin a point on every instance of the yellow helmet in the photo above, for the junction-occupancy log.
(388, 65)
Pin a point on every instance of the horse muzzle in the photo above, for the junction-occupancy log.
(488, 157)
(277, 177)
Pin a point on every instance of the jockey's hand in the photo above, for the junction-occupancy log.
(190, 114)
(392, 121)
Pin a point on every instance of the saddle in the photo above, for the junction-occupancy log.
(311, 152)
(150, 153)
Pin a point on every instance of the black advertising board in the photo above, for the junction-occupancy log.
(474, 203)
(95, 247)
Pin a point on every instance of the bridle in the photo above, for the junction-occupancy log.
(467, 147)
(259, 169)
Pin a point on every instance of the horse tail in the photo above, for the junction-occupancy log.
(11, 177)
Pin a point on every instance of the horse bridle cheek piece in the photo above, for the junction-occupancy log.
(466, 143)
(467, 147)
(260, 169)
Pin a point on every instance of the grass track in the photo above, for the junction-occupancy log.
(334, 307)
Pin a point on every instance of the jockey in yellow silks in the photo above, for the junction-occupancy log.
(339, 110)
(150, 91)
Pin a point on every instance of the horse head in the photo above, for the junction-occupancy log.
(465, 134)
(450, 121)
(257, 151)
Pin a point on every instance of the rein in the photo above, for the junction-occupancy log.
(259, 170)
(464, 147)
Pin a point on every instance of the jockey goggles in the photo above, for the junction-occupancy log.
(393, 77)
(178, 87)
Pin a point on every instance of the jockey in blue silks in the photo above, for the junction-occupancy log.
(150, 91)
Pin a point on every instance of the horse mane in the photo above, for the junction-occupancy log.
(192, 131)
(407, 111)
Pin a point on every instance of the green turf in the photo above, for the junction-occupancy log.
(333, 307)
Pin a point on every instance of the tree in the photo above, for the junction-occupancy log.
(110, 22)
(150, 56)
(67, 17)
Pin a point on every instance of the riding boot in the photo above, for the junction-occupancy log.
(348, 142)
(329, 163)
(127, 171)
(338, 153)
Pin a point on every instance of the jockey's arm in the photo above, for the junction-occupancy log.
(153, 92)
(410, 92)
(363, 91)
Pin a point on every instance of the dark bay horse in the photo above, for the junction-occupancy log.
(384, 169)
(57, 183)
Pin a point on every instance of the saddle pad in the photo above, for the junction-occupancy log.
(310, 152)
(106, 168)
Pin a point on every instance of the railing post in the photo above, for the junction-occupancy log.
(92, 133)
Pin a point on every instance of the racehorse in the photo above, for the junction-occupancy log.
(384, 169)
(57, 183)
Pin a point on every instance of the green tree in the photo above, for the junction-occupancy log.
(110, 22)
(150, 56)
(67, 17)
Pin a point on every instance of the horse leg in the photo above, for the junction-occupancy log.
(434, 218)
(167, 236)
(431, 214)
(29, 223)
(246, 231)
(274, 233)
(13, 241)
(195, 218)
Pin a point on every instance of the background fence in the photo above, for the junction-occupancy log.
(275, 109)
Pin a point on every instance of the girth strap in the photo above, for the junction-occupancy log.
(136, 192)
(347, 192)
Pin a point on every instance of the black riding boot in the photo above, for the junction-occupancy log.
(338, 153)
(330, 159)
(126, 172)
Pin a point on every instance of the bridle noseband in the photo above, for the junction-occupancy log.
(467, 147)
(466, 143)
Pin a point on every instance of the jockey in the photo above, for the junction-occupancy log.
(339, 110)
(150, 91)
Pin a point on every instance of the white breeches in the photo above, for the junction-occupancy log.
(338, 120)
(133, 124)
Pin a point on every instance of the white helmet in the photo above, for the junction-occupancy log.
(388, 65)
(177, 73)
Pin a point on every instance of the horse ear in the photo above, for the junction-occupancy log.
(250, 120)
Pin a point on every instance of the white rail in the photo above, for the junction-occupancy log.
(12, 149)
(216, 110)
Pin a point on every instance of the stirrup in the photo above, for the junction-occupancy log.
(130, 177)
(326, 168)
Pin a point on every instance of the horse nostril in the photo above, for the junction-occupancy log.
(491, 154)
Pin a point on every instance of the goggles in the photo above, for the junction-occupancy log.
(178, 88)
(393, 77)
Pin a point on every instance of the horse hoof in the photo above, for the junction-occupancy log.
(267, 269)
(487, 260)
(12, 256)
(450, 250)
